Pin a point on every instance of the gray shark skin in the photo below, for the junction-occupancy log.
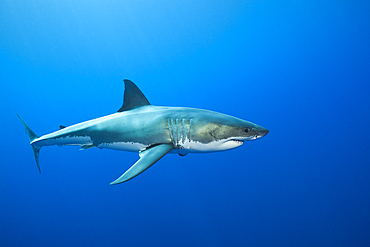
(152, 131)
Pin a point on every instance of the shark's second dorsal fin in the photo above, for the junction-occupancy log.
(132, 97)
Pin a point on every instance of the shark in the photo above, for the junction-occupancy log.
(151, 131)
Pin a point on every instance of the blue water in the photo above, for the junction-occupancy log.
(299, 68)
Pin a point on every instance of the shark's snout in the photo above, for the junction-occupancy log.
(261, 132)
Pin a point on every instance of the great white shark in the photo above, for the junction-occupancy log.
(152, 131)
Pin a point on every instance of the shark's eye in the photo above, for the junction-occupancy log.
(246, 130)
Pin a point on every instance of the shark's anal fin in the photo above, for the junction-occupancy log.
(147, 159)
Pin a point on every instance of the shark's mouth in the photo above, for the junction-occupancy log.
(236, 141)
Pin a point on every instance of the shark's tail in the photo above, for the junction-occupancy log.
(32, 136)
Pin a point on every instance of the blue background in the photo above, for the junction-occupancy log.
(299, 68)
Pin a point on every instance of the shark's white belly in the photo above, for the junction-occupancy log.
(61, 141)
(124, 146)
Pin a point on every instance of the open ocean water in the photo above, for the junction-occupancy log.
(299, 68)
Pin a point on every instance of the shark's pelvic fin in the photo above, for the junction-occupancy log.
(132, 97)
(83, 147)
(32, 136)
(147, 159)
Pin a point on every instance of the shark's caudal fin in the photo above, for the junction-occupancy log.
(132, 97)
(32, 136)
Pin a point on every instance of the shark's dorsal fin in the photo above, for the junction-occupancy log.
(62, 127)
(132, 97)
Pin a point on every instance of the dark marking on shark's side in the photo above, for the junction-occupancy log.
(151, 131)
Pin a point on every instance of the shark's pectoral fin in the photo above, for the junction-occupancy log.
(147, 159)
